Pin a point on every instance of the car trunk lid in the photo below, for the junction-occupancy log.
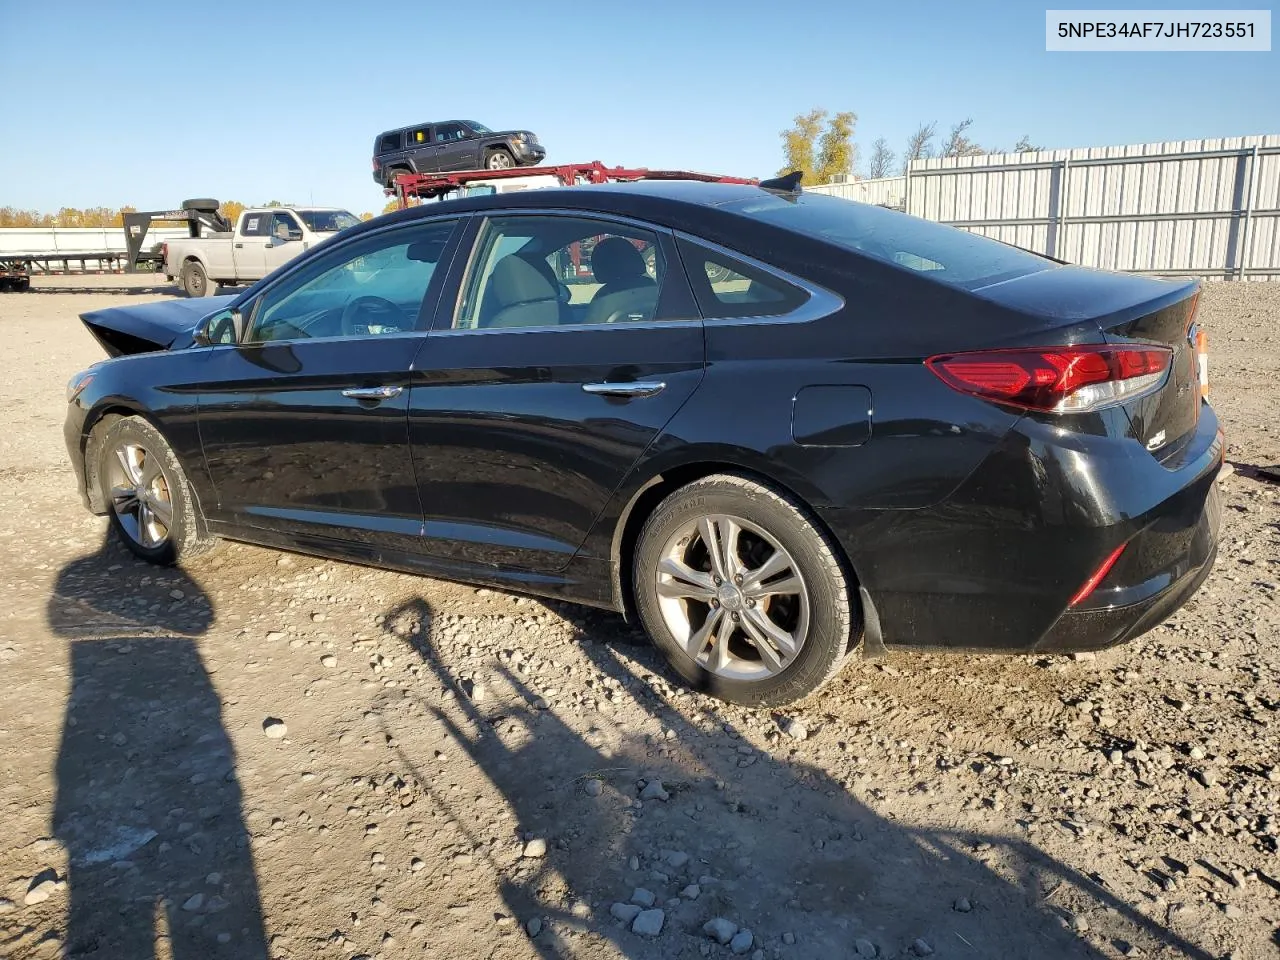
(1127, 309)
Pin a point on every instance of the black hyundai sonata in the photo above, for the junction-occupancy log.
(776, 427)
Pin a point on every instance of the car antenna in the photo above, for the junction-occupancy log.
(785, 184)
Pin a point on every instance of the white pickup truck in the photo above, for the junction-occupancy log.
(262, 240)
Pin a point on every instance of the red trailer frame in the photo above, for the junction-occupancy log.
(434, 185)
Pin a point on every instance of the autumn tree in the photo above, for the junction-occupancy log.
(881, 159)
(1025, 145)
(819, 146)
(392, 206)
(366, 215)
(919, 145)
(231, 209)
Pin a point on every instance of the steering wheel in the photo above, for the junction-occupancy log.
(363, 312)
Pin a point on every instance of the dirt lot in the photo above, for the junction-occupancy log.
(467, 774)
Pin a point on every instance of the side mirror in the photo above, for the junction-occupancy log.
(223, 327)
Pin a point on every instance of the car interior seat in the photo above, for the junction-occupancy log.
(518, 295)
(627, 291)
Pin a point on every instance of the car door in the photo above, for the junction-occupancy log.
(285, 241)
(450, 147)
(249, 246)
(530, 401)
(303, 421)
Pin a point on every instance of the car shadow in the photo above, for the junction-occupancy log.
(774, 844)
(148, 807)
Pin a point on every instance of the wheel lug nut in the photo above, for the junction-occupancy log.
(738, 579)
(750, 602)
(715, 602)
(735, 617)
(717, 581)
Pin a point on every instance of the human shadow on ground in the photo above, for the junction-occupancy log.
(148, 806)
(773, 844)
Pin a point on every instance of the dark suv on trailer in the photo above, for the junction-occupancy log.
(452, 145)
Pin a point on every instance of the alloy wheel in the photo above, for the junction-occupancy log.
(140, 495)
(499, 161)
(733, 597)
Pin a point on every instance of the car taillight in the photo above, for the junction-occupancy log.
(1056, 379)
(1098, 576)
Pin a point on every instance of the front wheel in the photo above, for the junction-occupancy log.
(499, 159)
(147, 495)
(743, 593)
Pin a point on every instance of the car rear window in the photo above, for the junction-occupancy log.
(944, 253)
(389, 142)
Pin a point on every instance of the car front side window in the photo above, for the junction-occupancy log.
(373, 286)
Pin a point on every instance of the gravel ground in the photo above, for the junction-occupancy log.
(270, 755)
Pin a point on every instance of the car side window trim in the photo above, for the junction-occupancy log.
(676, 294)
(443, 270)
(820, 302)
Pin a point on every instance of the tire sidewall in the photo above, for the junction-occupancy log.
(830, 599)
(496, 152)
(189, 272)
(184, 533)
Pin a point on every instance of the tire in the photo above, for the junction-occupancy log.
(195, 282)
(22, 285)
(390, 182)
(820, 617)
(202, 204)
(134, 456)
(499, 158)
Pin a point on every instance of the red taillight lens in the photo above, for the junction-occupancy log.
(1056, 379)
(1098, 575)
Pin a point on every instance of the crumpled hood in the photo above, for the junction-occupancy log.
(147, 327)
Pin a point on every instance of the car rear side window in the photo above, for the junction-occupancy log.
(256, 225)
(450, 131)
(547, 271)
(935, 250)
(389, 143)
(726, 288)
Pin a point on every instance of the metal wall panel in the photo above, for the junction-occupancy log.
(1205, 207)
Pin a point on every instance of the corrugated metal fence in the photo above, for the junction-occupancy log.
(1208, 208)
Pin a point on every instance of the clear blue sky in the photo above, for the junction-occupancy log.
(110, 104)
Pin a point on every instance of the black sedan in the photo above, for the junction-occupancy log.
(776, 427)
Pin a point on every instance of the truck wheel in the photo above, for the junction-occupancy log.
(22, 285)
(499, 158)
(195, 282)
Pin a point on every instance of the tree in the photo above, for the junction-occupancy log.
(231, 209)
(366, 215)
(881, 159)
(958, 143)
(1025, 145)
(392, 206)
(819, 148)
(919, 145)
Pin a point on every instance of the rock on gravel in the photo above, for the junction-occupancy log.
(741, 942)
(533, 927)
(40, 891)
(865, 947)
(626, 912)
(534, 849)
(794, 728)
(592, 788)
(653, 790)
(720, 930)
(921, 948)
(274, 728)
(643, 897)
(648, 923)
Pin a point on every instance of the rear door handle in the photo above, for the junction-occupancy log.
(633, 389)
(372, 393)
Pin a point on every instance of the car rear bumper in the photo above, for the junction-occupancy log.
(995, 566)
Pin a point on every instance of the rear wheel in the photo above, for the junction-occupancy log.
(499, 158)
(147, 495)
(195, 282)
(743, 593)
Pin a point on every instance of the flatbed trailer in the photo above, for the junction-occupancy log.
(16, 269)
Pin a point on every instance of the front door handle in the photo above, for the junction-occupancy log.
(372, 393)
(632, 389)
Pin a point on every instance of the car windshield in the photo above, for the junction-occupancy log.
(947, 254)
(327, 221)
(478, 127)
